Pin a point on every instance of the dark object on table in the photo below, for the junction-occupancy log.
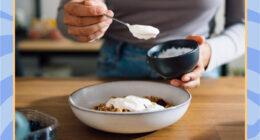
(35, 125)
(42, 126)
(174, 67)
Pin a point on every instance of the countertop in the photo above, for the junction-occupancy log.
(216, 112)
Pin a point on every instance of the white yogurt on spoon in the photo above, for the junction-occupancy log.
(143, 31)
(139, 31)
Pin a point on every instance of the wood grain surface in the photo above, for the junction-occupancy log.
(217, 110)
(64, 45)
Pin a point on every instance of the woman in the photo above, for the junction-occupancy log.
(122, 55)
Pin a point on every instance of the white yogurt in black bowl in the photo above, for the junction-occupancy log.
(174, 58)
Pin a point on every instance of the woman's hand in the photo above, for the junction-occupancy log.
(192, 79)
(85, 19)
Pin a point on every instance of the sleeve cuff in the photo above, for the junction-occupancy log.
(212, 61)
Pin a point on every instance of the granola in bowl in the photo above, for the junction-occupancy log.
(133, 104)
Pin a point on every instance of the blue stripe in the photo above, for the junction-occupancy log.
(253, 41)
(253, 5)
(6, 66)
(6, 44)
(8, 132)
(6, 111)
(253, 58)
(255, 97)
(6, 27)
(251, 109)
(7, 6)
(6, 88)
(253, 16)
(253, 85)
(4, 15)
(253, 130)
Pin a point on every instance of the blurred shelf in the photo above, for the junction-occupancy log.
(64, 45)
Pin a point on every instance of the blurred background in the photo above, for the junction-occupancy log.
(41, 51)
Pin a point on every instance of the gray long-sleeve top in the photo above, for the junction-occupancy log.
(177, 19)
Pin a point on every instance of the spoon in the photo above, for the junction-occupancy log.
(139, 31)
(120, 21)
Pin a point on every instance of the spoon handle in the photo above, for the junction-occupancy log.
(126, 24)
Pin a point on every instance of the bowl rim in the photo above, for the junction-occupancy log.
(73, 104)
(182, 55)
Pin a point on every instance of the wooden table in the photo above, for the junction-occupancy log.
(216, 111)
(64, 45)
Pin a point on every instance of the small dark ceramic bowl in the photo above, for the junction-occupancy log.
(174, 67)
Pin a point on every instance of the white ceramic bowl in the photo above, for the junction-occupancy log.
(129, 122)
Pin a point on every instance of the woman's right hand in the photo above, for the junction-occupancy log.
(85, 19)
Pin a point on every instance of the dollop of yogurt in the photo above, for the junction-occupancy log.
(143, 31)
(134, 104)
(172, 52)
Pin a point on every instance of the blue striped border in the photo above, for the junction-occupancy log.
(253, 105)
(6, 69)
(5, 40)
(253, 70)
(252, 59)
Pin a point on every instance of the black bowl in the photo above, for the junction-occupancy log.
(174, 67)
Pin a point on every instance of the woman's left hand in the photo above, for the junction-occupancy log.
(192, 79)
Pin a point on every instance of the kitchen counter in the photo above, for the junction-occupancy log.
(64, 45)
(217, 110)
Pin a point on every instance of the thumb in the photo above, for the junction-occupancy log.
(77, 1)
(90, 3)
(200, 39)
(95, 3)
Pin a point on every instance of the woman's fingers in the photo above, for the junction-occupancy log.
(191, 84)
(81, 21)
(176, 82)
(88, 30)
(89, 38)
(186, 85)
(198, 38)
(95, 3)
(77, 9)
(192, 79)
(103, 32)
(84, 21)
(77, 1)
(110, 13)
(195, 74)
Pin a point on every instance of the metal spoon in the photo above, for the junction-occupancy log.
(129, 27)
(120, 21)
